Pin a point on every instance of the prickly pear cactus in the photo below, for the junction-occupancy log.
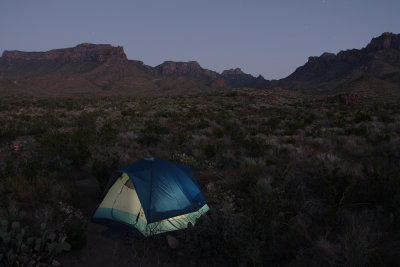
(18, 248)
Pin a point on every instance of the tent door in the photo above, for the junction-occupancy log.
(115, 201)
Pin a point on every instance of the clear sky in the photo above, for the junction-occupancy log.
(271, 38)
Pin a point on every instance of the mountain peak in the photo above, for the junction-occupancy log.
(385, 41)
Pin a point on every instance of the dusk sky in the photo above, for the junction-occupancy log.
(271, 38)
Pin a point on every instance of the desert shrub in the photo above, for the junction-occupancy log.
(224, 236)
(199, 124)
(103, 168)
(108, 133)
(218, 132)
(381, 185)
(148, 139)
(102, 173)
(87, 121)
(361, 130)
(9, 167)
(245, 179)
(291, 141)
(386, 118)
(167, 114)
(381, 138)
(211, 149)
(293, 125)
(274, 122)
(333, 188)
(193, 113)
(362, 116)
(51, 121)
(255, 147)
(129, 112)
(154, 127)
(185, 159)
(178, 139)
(30, 169)
(76, 232)
(56, 147)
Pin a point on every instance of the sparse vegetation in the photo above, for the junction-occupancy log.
(292, 182)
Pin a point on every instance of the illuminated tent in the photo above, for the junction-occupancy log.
(153, 196)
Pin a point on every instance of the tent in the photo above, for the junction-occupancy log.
(152, 196)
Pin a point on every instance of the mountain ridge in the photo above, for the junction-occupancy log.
(103, 67)
(380, 58)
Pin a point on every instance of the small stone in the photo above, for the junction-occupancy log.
(55, 263)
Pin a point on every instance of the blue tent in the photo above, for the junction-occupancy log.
(152, 195)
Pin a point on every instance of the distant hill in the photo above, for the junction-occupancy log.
(380, 59)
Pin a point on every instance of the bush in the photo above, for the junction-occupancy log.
(102, 173)
(76, 232)
(361, 130)
(362, 116)
(148, 139)
(153, 126)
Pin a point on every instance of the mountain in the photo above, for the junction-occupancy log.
(379, 59)
(105, 69)
(237, 78)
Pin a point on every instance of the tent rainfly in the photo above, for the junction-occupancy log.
(153, 196)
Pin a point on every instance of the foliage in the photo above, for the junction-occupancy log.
(20, 247)
(291, 182)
